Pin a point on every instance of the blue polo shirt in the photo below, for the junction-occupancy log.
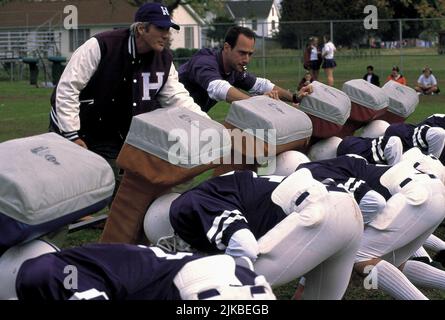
(204, 67)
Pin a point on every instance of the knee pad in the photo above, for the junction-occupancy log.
(243, 244)
(435, 138)
(393, 150)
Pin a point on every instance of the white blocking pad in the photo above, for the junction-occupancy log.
(403, 100)
(179, 136)
(47, 181)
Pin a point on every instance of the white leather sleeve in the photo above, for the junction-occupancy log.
(77, 74)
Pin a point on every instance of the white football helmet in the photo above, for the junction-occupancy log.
(11, 261)
(157, 226)
(214, 278)
(374, 129)
(324, 149)
(284, 164)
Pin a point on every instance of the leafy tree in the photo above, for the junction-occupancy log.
(295, 35)
(219, 28)
(202, 7)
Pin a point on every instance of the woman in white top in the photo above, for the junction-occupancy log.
(312, 58)
(427, 83)
(328, 59)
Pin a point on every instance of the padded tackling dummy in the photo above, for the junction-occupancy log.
(11, 261)
(374, 129)
(322, 231)
(328, 108)
(324, 149)
(403, 101)
(215, 278)
(47, 182)
(367, 100)
(261, 128)
(367, 103)
(164, 148)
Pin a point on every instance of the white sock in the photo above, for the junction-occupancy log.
(421, 252)
(424, 275)
(434, 243)
(393, 281)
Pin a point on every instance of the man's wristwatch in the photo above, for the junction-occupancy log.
(295, 98)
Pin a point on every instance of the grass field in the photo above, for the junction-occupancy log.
(24, 112)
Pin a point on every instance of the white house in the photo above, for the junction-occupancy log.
(262, 16)
(27, 26)
(191, 28)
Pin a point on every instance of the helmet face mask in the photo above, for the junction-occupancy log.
(173, 243)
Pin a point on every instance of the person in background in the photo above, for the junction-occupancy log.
(396, 76)
(329, 64)
(221, 75)
(312, 58)
(371, 77)
(305, 81)
(427, 83)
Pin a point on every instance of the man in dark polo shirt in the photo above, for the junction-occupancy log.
(220, 75)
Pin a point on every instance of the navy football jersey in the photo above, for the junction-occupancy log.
(372, 149)
(435, 120)
(107, 271)
(411, 135)
(207, 216)
(354, 173)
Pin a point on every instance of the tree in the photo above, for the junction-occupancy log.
(200, 6)
(219, 28)
(295, 35)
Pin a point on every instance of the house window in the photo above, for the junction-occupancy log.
(254, 24)
(273, 11)
(273, 24)
(78, 37)
(189, 37)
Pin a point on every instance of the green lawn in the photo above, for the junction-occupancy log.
(24, 112)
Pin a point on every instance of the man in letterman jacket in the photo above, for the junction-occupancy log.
(114, 76)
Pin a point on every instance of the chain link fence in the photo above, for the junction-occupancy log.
(409, 43)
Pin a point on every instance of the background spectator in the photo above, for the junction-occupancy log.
(396, 76)
(427, 83)
(371, 77)
(328, 59)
